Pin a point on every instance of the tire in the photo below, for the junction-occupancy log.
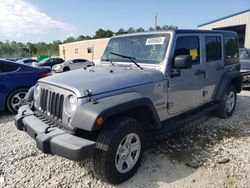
(16, 99)
(113, 151)
(228, 103)
(65, 69)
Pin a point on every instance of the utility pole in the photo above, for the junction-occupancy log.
(156, 20)
(93, 53)
(64, 53)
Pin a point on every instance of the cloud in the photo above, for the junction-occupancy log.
(19, 19)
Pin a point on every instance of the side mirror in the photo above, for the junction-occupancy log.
(183, 62)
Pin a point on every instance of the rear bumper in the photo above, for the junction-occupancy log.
(53, 140)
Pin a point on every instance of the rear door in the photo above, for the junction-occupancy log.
(185, 90)
(222, 53)
(74, 64)
(214, 63)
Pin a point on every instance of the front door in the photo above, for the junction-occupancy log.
(186, 90)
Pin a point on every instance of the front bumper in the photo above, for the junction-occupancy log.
(246, 79)
(53, 140)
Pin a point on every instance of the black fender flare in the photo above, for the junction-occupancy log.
(29, 96)
(86, 115)
(226, 80)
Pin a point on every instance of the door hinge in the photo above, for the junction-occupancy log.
(170, 84)
(170, 105)
(204, 93)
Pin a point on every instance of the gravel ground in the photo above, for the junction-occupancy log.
(209, 152)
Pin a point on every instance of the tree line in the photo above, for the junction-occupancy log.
(10, 49)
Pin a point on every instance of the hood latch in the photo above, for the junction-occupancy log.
(88, 93)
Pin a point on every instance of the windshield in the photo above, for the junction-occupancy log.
(19, 61)
(149, 49)
(43, 61)
(244, 54)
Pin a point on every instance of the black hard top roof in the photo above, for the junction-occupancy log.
(204, 31)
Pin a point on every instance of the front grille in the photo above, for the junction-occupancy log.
(44, 119)
(51, 104)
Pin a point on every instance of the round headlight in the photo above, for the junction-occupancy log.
(71, 104)
(37, 91)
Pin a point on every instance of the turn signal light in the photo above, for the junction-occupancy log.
(99, 121)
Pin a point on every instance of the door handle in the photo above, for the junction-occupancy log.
(200, 71)
(219, 67)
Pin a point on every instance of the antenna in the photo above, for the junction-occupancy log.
(156, 20)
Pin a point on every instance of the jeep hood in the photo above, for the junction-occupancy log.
(102, 79)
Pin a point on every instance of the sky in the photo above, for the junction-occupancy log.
(49, 20)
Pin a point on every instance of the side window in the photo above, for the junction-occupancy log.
(76, 51)
(7, 67)
(188, 45)
(244, 54)
(231, 49)
(213, 48)
(82, 60)
(59, 60)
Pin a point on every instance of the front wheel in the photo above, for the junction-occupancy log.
(16, 99)
(119, 150)
(228, 103)
(66, 69)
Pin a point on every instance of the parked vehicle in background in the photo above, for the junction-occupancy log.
(147, 84)
(14, 59)
(72, 65)
(245, 66)
(15, 81)
(28, 61)
(41, 57)
(50, 62)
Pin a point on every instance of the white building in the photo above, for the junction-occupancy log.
(239, 22)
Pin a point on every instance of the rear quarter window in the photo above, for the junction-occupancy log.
(7, 67)
(231, 48)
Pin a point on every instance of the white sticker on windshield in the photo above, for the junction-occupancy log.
(155, 41)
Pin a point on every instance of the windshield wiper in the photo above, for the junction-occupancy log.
(132, 59)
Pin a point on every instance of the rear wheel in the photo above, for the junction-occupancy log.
(228, 103)
(16, 99)
(119, 150)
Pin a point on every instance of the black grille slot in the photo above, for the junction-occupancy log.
(51, 104)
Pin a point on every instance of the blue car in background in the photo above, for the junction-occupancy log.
(27, 61)
(14, 59)
(15, 81)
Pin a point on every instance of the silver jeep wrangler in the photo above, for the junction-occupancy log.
(147, 83)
